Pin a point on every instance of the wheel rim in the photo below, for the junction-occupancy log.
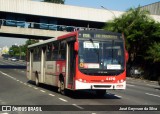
(37, 83)
(62, 88)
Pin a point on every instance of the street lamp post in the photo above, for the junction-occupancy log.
(109, 11)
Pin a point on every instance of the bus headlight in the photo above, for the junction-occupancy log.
(121, 81)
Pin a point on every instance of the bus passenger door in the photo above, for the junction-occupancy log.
(31, 66)
(70, 65)
(43, 58)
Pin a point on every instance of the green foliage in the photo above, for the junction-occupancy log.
(21, 50)
(29, 42)
(139, 29)
(14, 50)
(154, 52)
(55, 1)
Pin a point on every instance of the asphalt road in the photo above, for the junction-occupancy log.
(12, 64)
(15, 89)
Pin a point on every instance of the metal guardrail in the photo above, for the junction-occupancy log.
(45, 26)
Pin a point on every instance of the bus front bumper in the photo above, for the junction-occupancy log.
(83, 85)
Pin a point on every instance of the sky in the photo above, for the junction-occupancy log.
(120, 5)
(6, 41)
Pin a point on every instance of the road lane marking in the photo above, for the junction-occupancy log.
(51, 95)
(114, 95)
(29, 86)
(4, 113)
(43, 91)
(13, 78)
(152, 94)
(3, 73)
(16, 79)
(130, 85)
(8, 75)
(153, 85)
(63, 100)
(35, 88)
(118, 96)
(78, 106)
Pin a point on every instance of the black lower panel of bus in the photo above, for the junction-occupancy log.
(12, 67)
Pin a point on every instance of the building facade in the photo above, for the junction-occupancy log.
(153, 8)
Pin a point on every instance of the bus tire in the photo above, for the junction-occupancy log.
(100, 93)
(36, 81)
(62, 88)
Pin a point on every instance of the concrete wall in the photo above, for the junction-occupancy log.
(57, 10)
(60, 10)
(29, 33)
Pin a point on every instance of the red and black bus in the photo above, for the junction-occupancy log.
(81, 60)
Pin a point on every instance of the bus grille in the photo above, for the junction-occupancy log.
(102, 86)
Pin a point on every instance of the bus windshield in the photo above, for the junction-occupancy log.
(104, 55)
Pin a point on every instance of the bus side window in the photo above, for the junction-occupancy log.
(62, 51)
(55, 51)
(36, 54)
(49, 52)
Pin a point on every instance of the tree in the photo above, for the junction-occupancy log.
(14, 51)
(55, 1)
(154, 52)
(142, 36)
(28, 42)
(139, 29)
(22, 49)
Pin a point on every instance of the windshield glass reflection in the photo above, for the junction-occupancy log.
(101, 55)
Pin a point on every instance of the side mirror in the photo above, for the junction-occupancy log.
(126, 56)
(76, 47)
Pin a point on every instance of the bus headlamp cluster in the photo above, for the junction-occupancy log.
(120, 81)
(82, 80)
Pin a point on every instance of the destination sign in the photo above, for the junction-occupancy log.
(105, 36)
(98, 35)
(86, 35)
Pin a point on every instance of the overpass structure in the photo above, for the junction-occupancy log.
(41, 20)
